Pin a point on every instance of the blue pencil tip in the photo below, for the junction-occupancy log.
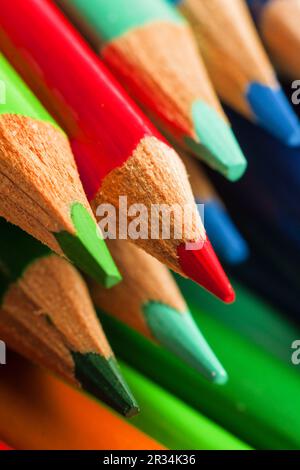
(225, 238)
(272, 111)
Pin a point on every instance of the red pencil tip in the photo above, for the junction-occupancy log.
(203, 267)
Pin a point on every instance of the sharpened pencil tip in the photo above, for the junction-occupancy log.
(217, 145)
(225, 237)
(179, 334)
(103, 379)
(274, 113)
(202, 266)
(87, 250)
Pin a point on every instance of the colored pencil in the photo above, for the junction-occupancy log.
(40, 412)
(226, 239)
(260, 323)
(278, 25)
(149, 301)
(238, 65)
(259, 404)
(40, 189)
(172, 422)
(150, 48)
(47, 315)
(117, 150)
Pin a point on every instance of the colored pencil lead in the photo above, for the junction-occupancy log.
(141, 41)
(148, 301)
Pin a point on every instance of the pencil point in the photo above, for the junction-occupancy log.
(102, 378)
(273, 112)
(225, 238)
(179, 333)
(202, 266)
(87, 250)
(217, 144)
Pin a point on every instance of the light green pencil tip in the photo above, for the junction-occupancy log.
(102, 378)
(87, 250)
(217, 144)
(179, 333)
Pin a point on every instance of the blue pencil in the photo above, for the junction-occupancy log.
(221, 229)
(238, 65)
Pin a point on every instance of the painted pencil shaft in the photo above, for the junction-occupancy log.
(39, 183)
(260, 323)
(151, 50)
(47, 315)
(278, 25)
(118, 151)
(172, 422)
(239, 66)
(59, 418)
(149, 302)
(249, 405)
(225, 237)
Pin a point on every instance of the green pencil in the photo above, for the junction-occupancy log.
(40, 189)
(259, 403)
(249, 316)
(174, 423)
(47, 315)
(149, 301)
(150, 47)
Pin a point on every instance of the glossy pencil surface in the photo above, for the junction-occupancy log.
(39, 412)
(172, 422)
(249, 405)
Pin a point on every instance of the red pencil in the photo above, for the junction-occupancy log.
(118, 151)
(4, 446)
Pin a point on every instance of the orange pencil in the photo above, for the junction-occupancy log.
(39, 412)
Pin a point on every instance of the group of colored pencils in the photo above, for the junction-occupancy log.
(172, 103)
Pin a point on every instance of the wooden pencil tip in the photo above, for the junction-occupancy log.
(102, 378)
(87, 250)
(216, 143)
(202, 266)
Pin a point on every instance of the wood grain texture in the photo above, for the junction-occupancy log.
(169, 75)
(59, 292)
(230, 47)
(162, 184)
(144, 280)
(39, 181)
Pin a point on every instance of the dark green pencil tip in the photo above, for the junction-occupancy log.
(217, 144)
(179, 333)
(87, 250)
(102, 378)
